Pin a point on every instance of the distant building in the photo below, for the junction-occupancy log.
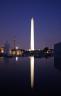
(57, 50)
(17, 52)
(57, 55)
(6, 48)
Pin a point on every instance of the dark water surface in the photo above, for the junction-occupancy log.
(15, 77)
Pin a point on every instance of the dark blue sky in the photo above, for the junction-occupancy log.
(15, 16)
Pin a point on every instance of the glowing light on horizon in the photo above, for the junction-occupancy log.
(32, 34)
(17, 47)
(2, 51)
(32, 71)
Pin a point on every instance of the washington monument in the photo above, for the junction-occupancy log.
(32, 34)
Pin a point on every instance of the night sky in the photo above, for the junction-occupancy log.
(15, 17)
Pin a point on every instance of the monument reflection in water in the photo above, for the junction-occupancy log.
(32, 71)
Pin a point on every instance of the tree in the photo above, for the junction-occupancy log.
(45, 49)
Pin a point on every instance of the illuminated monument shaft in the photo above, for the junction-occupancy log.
(32, 48)
(32, 34)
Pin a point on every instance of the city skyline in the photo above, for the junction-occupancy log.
(15, 22)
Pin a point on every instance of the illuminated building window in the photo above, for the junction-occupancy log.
(14, 52)
(2, 51)
(18, 52)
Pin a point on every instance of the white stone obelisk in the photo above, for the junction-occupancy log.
(32, 34)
